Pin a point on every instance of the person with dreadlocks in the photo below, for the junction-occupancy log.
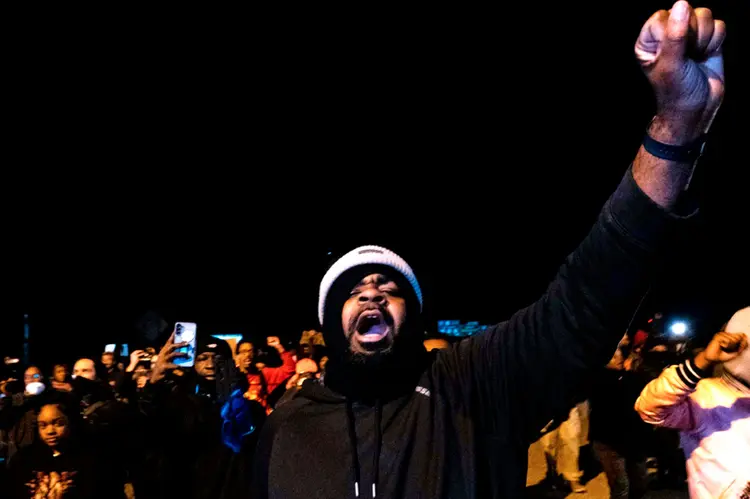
(202, 442)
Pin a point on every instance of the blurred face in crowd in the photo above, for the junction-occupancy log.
(205, 365)
(323, 362)
(108, 359)
(305, 369)
(436, 344)
(60, 374)
(305, 350)
(141, 375)
(31, 375)
(85, 368)
(53, 425)
(245, 354)
(373, 315)
(617, 361)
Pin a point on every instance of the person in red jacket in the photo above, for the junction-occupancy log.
(264, 380)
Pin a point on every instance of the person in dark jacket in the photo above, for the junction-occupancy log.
(201, 437)
(112, 373)
(60, 464)
(391, 421)
(19, 407)
(620, 439)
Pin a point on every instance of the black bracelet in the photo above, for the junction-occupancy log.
(688, 153)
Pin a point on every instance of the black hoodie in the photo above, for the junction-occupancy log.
(458, 424)
(187, 456)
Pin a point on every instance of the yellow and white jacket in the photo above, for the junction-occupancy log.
(713, 416)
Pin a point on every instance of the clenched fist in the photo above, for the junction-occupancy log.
(680, 52)
(723, 348)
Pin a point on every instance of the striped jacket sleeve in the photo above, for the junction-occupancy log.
(666, 400)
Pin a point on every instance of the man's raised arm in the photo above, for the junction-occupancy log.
(688, 95)
(529, 367)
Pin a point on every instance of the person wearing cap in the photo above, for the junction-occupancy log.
(712, 414)
(203, 426)
(390, 420)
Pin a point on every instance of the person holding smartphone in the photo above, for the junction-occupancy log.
(192, 455)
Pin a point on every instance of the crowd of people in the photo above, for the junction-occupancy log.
(643, 415)
(147, 428)
(365, 409)
(144, 426)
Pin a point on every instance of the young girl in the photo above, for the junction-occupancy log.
(57, 466)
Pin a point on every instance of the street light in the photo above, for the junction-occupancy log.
(678, 328)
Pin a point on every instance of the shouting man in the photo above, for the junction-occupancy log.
(389, 420)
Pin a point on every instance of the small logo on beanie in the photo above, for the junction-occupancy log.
(370, 251)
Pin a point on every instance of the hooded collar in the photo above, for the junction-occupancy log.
(397, 376)
(736, 383)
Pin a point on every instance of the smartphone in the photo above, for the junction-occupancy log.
(109, 348)
(184, 332)
(124, 350)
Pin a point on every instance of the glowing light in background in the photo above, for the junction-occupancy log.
(678, 328)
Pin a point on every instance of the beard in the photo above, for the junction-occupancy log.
(368, 360)
(391, 369)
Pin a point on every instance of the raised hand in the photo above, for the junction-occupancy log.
(135, 358)
(275, 342)
(164, 362)
(723, 348)
(680, 53)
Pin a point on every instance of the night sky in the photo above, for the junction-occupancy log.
(210, 179)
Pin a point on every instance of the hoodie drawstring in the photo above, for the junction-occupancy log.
(378, 445)
(353, 446)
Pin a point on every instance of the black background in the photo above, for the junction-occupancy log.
(205, 164)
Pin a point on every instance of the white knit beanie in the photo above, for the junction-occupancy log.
(365, 255)
(740, 323)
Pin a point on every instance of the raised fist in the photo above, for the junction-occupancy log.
(723, 348)
(275, 342)
(680, 52)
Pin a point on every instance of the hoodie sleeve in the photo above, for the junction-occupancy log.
(531, 368)
(666, 400)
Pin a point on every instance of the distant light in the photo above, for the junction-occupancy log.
(678, 328)
(330, 253)
(228, 337)
(650, 321)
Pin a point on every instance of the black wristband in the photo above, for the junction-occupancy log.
(688, 153)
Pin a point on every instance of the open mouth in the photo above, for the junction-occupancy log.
(372, 326)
